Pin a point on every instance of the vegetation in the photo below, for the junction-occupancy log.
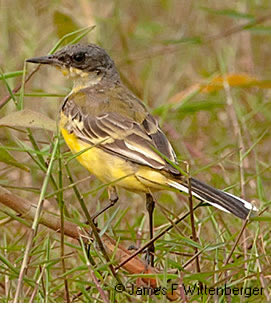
(203, 69)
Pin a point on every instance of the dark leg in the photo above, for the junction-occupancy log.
(150, 208)
(113, 198)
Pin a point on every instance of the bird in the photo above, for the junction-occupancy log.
(122, 144)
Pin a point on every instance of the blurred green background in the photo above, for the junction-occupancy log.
(162, 48)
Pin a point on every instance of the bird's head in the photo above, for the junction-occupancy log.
(83, 63)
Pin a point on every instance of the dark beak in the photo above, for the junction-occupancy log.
(50, 59)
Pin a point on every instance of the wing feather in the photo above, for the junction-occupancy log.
(122, 136)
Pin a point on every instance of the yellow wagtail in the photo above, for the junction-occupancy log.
(127, 146)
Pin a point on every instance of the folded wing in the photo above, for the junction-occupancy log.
(144, 143)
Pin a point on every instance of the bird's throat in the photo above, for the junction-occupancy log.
(80, 78)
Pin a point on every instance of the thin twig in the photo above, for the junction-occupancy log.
(156, 237)
(236, 242)
(37, 284)
(237, 28)
(92, 225)
(17, 88)
(194, 234)
(93, 276)
(28, 210)
(61, 208)
(34, 225)
(205, 40)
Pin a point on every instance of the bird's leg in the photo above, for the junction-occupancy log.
(113, 198)
(150, 207)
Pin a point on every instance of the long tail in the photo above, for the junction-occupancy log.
(219, 199)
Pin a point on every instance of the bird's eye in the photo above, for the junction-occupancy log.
(61, 58)
(79, 57)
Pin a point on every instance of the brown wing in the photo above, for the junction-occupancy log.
(142, 143)
(159, 139)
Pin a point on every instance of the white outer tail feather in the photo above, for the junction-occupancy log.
(247, 205)
(185, 189)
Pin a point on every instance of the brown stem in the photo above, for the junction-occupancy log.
(27, 209)
(17, 88)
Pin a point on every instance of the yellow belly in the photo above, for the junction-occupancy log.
(113, 169)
